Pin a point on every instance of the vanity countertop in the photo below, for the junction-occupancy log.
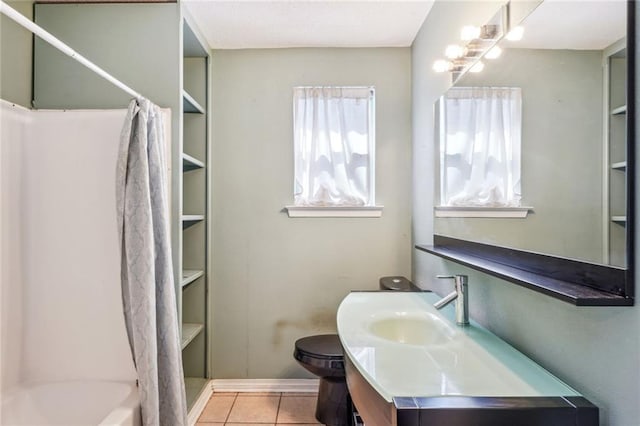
(404, 347)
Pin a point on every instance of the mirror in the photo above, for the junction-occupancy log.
(570, 66)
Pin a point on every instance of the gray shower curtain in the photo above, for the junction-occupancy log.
(148, 291)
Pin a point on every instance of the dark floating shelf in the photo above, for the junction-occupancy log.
(564, 279)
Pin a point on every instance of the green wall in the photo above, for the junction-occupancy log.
(594, 349)
(139, 44)
(276, 278)
(15, 57)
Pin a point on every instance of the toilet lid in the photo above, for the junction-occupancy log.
(324, 346)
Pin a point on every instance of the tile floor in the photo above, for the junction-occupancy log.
(260, 409)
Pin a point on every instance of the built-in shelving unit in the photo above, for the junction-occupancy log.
(615, 153)
(194, 212)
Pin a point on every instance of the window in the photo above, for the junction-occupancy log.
(334, 147)
(480, 147)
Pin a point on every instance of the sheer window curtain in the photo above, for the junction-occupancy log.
(334, 146)
(480, 147)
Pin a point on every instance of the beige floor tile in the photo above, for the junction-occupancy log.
(297, 409)
(209, 424)
(254, 409)
(251, 424)
(217, 409)
(313, 394)
(260, 393)
(225, 393)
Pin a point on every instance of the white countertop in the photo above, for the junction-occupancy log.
(467, 361)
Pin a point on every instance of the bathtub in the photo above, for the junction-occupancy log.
(80, 403)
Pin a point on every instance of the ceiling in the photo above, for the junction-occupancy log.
(241, 24)
(574, 24)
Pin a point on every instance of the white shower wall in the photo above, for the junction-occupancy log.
(61, 301)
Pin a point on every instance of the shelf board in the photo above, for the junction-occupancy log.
(545, 274)
(622, 165)
(619, 219)
(194, 387)
(191, 219)
(619, 111)
(189, 276)
(190, 163)
(190, 105)
(189, 332)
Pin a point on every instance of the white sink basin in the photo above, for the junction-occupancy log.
(403, 346)
(411, 330)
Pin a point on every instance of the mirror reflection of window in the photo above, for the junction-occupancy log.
(480, 147)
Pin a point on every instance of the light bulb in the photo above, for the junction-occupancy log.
(494, 53)
(453, 51)
(469, 32)
(477, 67)
(442, 66)
(516, 33)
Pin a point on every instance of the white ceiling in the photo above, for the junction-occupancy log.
(574, 24)
(241, 24)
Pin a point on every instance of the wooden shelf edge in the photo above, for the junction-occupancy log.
(190, 105)
(189, 332)
(189, 276)
(190, 163)
(619, 110)
(575, 294)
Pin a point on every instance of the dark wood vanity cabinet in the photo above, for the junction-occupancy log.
(466, 411)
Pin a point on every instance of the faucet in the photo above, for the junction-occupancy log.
(459, 295)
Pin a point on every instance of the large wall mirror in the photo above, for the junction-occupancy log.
(568, 76)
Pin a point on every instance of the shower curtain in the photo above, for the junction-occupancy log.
(149, 300)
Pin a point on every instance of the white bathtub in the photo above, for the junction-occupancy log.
(81, 403)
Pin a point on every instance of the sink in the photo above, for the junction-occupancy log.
(411, 330)
(403, 346)
(408, 363)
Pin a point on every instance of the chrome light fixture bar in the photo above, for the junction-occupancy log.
(479, 42)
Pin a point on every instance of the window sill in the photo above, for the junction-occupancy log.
(304, 211)
(494, 212)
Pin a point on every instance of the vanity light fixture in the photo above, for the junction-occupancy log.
(442, 65)
(477, 67)
(455, 51)
(515, 34)
(469, 32)
(494, 53)
(476, 41)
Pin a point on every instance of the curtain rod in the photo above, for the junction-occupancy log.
(58, 44)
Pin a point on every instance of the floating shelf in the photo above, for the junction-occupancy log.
(557, 277)
(189, 332)
(622, 165)
(190, 105)
(619, 111)
(619, 219)
(190, 163)
(189, 276)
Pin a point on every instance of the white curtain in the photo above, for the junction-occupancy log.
(148, 290)
(334, 144)
(480, 147)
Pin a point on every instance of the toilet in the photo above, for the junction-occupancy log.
(322, 355)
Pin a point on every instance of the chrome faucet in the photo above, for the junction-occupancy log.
(459, 295)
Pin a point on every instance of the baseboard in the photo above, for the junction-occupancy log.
(265, 385)
(199, 405)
